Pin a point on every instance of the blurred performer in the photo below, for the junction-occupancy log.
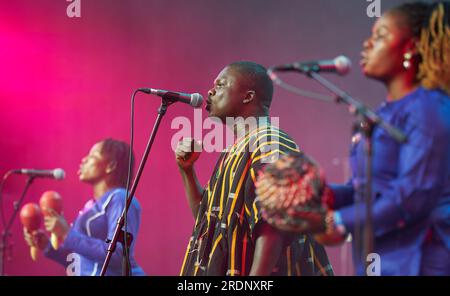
(83, 247)
(409, 52)
(229, 236)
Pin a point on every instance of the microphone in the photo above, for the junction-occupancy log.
(57, 174)
(195, 100)
(340, 65)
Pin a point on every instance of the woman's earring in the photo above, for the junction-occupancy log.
(407, 60)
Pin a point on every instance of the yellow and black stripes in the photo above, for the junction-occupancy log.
(222, 241)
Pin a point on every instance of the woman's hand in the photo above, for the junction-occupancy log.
(36, 238)
(322, 226)
(56, 223)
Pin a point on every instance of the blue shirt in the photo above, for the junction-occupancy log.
(411, 183)
(84, 248)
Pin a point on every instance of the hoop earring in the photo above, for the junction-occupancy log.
(407, 60)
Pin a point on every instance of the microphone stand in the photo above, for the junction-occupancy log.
(368, 121)
(4, 244)
(118, 232)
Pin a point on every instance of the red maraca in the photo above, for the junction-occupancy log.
(51, 200)
(31, 218)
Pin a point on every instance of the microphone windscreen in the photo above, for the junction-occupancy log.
(343, 64)
(196, 100)
(59, 174)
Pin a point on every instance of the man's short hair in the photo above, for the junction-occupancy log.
(257, 79)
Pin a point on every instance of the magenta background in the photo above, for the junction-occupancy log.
(66, 83)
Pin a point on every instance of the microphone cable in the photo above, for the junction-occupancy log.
(2, 212)
(308, 94)
(130, 158)
(130, 161)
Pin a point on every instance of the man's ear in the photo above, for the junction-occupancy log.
(249, 96)
(111, 167)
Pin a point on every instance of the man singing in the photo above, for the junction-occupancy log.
(229, 236)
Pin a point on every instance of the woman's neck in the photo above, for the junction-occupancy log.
(101, 188)
(400, 86)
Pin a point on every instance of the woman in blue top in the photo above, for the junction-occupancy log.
(84, 248)
(409, 52)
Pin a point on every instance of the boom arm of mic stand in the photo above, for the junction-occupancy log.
(359, 108)
(117, 232)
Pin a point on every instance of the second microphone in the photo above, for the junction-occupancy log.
(195, 99)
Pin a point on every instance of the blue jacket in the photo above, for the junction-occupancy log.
(411, 183)
(84, 248)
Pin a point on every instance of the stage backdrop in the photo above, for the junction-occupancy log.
(66, 83)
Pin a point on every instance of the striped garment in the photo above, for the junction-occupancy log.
(223, 239)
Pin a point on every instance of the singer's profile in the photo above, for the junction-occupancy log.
(408, 52)
(230, 237)
(105, 169)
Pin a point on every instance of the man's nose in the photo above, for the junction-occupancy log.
(211, 92)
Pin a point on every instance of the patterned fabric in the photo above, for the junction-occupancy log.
(293, 184)
(223, 239)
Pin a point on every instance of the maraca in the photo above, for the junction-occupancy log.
(289, 187)
(31, 218)
(51, 200)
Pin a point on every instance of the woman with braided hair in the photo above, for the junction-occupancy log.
(409, 52)
(434, 48)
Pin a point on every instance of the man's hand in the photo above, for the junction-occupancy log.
(187, 153)
(311, 221)
(322, 226)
